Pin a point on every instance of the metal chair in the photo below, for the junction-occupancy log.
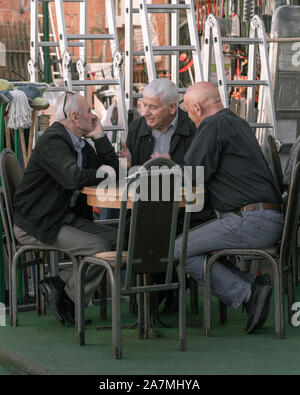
(150, 250)
(281, 257)
(270, 151)
(11, 175)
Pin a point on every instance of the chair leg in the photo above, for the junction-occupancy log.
(207, 298)
(182, 312)
(116, 319)
(140, 298)
(38, 293)
(79, 305)
(194, 296)
(279, 305)
(290, 294)
(102, 296)
(222, 313)
(14, 296)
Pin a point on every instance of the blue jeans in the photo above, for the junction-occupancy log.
(254, 229)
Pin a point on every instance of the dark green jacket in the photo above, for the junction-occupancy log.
(43, 198)
(140, 141)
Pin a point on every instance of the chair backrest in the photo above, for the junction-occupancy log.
(272, 156)
(292, 215)
(290, 162)
(153, 220)
(11, 175)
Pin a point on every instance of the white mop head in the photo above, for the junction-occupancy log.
(19, 113)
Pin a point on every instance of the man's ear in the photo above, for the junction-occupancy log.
(198, 108)
(73, 116)
(173, 108)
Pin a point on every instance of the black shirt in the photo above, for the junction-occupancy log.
(235, 170)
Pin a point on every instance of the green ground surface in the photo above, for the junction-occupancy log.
(41, 345)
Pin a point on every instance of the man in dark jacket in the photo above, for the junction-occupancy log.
(48, 205)
(164, 130)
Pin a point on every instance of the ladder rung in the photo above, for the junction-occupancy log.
(90, 36)
(113, 128)
(95, 82)
(241, 40)
(174, 48)
(167, 7)
(64, 1)
(261, 125)
(246, 82)
(56, 44)
(155, 53)
(60, 89)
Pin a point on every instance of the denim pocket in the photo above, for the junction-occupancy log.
(267, 221)
(231, 221)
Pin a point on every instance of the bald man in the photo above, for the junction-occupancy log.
(243, 193)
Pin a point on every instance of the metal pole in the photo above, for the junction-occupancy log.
(2, 284)
(16, 149)
(47, 70)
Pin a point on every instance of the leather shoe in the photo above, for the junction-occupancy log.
(52, 288)
(68, 309)
(258, 307)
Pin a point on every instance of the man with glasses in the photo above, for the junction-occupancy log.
(48, 205)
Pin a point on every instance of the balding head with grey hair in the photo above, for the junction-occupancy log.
(163, 88)
(66, 105)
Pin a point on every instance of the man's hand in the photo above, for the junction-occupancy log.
(159, 155)
(125, 153)
(97, 130)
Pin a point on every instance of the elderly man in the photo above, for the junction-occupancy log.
(242, 191)
(48, 206)
(163, 130)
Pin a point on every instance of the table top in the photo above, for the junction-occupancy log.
(112, 197)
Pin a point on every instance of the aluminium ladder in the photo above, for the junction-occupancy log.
(55, 59)
(257, 39)
(150, 51)
(66, 41)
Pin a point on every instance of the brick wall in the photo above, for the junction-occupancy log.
(98, 51)
(10, 12)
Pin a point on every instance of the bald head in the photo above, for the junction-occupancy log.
(202, 100)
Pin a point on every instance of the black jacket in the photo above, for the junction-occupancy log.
(43, 198)
(140, 141)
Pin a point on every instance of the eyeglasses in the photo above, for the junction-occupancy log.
(65, 100)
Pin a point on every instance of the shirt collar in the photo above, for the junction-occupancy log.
(78, 143)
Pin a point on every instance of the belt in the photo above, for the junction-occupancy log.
(257, 206)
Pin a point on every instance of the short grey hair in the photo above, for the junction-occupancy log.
(72, 105)
(164, 88)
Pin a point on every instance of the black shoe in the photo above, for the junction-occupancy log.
(258, 307)
(68, 310)
(171, 303)
(52, 288)
(263, 279)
